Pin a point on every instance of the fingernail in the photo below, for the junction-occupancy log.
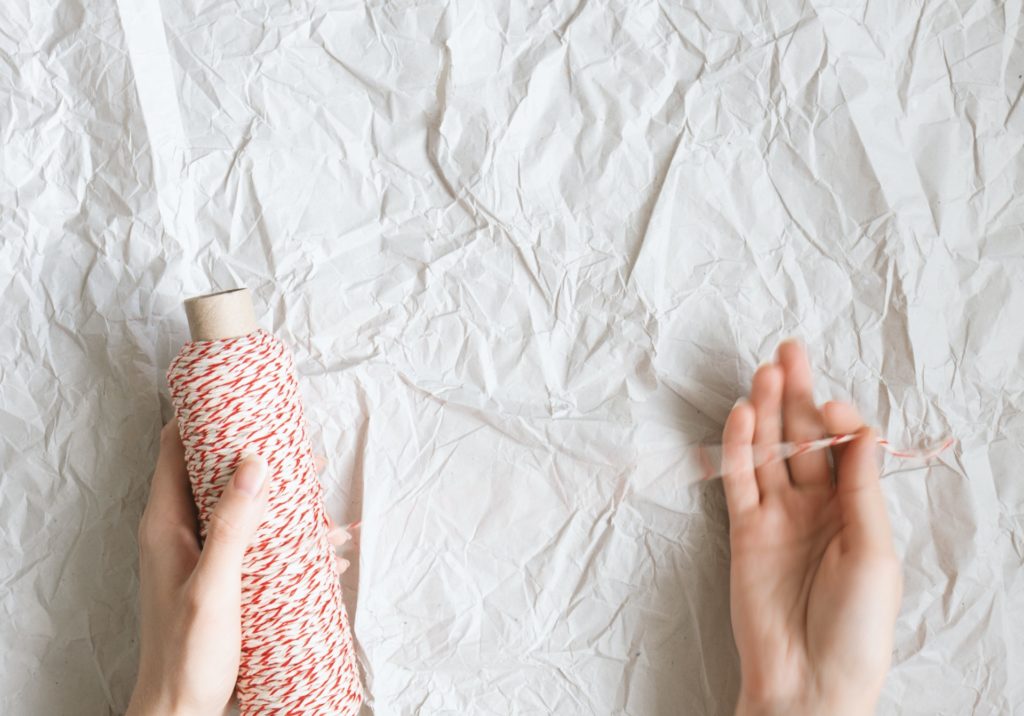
(742, 400)
(342, 563)
(251, 473)
(338, 535)
(770, 367)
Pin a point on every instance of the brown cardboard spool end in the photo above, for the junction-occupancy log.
(225, 314)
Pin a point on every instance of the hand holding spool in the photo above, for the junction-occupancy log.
(235, 392)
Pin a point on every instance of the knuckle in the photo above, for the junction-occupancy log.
(144, 535)
(222, 530)
(192, 598)
(760, 686)
(155, 534)
(169, 431)
(889, 565)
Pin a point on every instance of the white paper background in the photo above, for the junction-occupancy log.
(510, 247)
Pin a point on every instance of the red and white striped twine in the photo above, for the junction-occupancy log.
(241, 395)
(710, 456)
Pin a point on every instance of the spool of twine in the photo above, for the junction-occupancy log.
(235, 391)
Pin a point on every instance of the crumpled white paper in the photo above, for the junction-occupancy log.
(511, 248)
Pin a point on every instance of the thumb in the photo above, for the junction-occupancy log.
(234, 521)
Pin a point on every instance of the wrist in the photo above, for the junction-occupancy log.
(805, 705)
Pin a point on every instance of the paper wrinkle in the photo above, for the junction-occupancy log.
(523, 255)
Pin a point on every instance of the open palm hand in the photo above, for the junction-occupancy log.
(815, 582)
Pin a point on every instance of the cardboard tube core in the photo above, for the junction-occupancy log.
(226, 314)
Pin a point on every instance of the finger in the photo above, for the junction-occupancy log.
(338, 536)
(840, 419)
(342, 563)
(234, 522)
(859, 491)
(169, 519)
(801, 418)
(320, 462)
(741, 493)
(766, 396)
